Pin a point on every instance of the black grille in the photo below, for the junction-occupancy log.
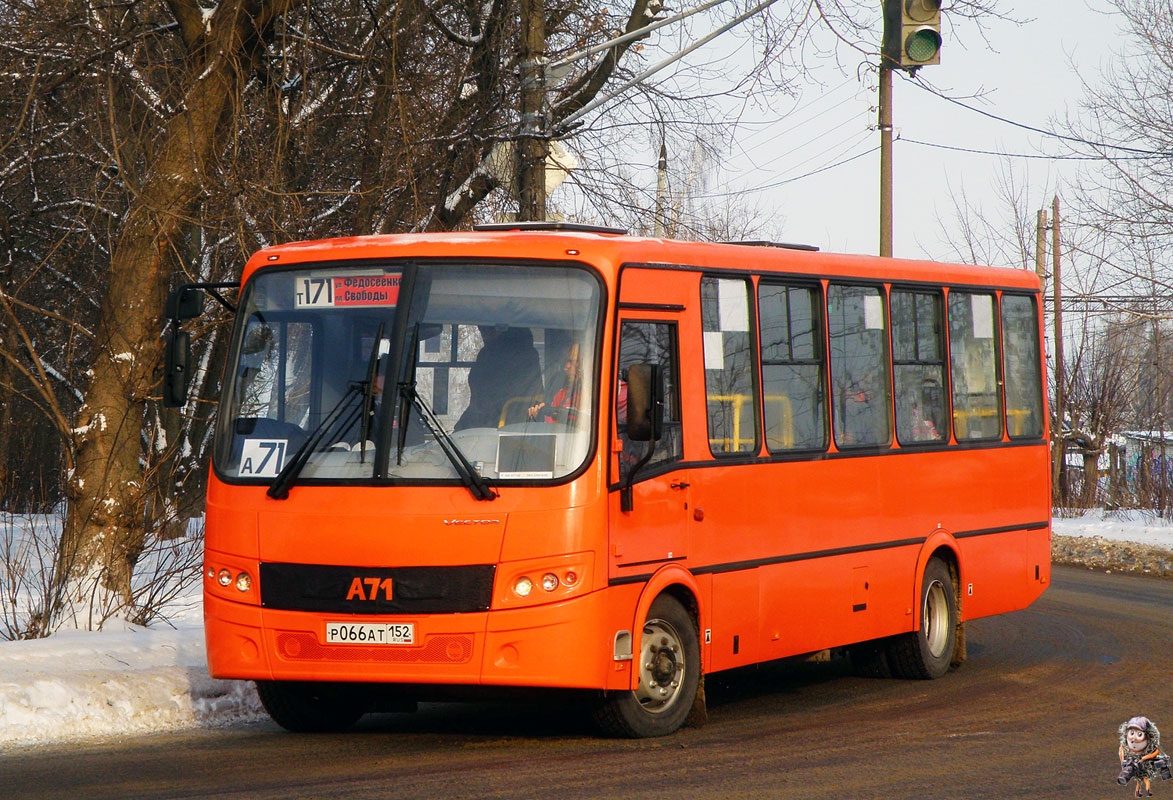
(414, 590)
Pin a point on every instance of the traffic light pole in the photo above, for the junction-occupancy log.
(885, 122)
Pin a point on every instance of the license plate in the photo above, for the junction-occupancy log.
(370, 633)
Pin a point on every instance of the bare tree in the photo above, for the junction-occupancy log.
(153, 142)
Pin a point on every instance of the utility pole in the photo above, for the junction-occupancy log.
(533, 143)
(661, 226)
(885, 122)
(1041, 244)
(1059, 466)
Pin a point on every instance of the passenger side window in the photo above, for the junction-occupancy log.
(974, 363)
(1020, 350)
(861, 397)
(793, 381)
(649, 343)
(729, 365)
(918, 359)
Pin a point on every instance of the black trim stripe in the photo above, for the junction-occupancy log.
(738, 566)
(651, 307)
(653, 561)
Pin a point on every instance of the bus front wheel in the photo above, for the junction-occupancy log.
(310, 706)
(668, 663)
(927, 653)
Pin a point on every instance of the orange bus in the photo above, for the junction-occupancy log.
(559, 456)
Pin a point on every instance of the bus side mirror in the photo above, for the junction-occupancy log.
(176, 375)
(645, 403)
(183, 303)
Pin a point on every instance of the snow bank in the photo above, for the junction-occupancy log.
(136, 680)
(1141, 527)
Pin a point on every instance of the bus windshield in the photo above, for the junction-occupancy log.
(496, 372)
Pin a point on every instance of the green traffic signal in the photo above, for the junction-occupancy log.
(922, 45)
(912, 34)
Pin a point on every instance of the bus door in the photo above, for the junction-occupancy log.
(654, 530)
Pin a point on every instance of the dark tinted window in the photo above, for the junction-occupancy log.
(918, 358)
(860, 392)
(793, 385)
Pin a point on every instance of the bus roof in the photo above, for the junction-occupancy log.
(609, 251)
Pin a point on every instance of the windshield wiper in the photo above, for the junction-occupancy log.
(368, 395)
(469, 476)
(279, 490)
(405, 407)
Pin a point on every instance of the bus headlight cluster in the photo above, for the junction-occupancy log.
(542, 580)
(550, 582)
(224, 577)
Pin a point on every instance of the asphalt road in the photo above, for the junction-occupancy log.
(1032, 714)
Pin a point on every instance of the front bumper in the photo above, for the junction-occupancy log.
(566, 644)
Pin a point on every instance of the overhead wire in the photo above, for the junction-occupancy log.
(920, 82)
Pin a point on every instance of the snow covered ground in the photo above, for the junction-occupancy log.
(130, 680)
(1120, 526)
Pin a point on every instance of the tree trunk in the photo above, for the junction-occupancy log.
(105, 530)
(1091, 477)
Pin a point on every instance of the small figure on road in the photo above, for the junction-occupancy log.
(1141, 759)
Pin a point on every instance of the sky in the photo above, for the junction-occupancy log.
(1021, 71)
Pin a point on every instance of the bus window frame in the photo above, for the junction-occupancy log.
(750, 279)
(401, 263)
(885, 367)
(823, 363)
(614, 482)
(937, 291)
(1034, 298)
(284, 318)
(999, 383)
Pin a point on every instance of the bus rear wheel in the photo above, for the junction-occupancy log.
(669, 666)
(927, 653)
(312, 707)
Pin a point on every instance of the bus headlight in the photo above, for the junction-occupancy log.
(542, 580)
(232, 578)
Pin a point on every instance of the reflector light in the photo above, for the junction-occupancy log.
(244, 581)
(523, 587)
(549, 581)
(224, 578)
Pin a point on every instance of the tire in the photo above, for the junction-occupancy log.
(927, 652)
(312, 707)
(669, 665)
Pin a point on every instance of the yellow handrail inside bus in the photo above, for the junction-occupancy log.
(525, 402)
(733, 443)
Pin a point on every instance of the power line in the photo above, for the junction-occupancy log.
(918, 81)
(785, 181)
(1026, 155)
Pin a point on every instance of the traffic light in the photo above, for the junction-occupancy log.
(912, 33)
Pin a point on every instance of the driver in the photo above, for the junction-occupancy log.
(562, 405)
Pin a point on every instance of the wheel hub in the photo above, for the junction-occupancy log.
(661, 666)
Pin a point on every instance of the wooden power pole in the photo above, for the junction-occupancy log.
(533, 143)
(1059, 467)
(885, 122)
